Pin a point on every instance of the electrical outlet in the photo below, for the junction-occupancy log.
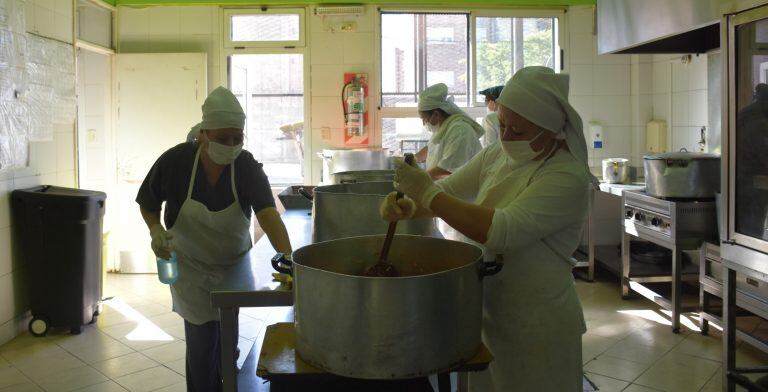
(348, 27)
(91, 135)
(325, 133)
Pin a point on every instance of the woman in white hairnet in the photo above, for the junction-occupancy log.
(209, 188)
(491, 120)
(525, 199)
(455, 135)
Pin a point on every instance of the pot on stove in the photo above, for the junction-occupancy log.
(683, 174)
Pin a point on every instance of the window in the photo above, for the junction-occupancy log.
(468, 51)
(264, 28)
(503, 45)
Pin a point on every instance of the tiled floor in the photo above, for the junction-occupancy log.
(137, 345)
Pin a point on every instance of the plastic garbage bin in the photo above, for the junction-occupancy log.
(57, 234)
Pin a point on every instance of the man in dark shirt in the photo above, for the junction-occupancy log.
(209, 188)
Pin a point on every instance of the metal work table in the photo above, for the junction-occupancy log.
(279, 364)
(259, 291)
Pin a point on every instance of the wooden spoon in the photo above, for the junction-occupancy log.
(382, 268)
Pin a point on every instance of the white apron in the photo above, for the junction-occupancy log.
(212, 252)
(532, 318)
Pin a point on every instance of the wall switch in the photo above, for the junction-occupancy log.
(325, 133)
(91, 133)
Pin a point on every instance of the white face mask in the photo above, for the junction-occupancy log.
(431, 128)
(520, 151)
(222, 154)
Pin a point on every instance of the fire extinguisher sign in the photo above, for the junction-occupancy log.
(354, 100)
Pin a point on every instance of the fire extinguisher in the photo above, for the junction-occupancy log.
(353, 102)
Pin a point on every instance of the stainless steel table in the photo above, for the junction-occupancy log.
(258, 290)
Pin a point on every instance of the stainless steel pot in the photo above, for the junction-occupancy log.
(336, 161)
(616, 170)
(355, 176)
(682, 175)
(351, 210)
(422, 323)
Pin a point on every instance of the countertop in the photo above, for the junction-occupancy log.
(618, 189)
(258, 287)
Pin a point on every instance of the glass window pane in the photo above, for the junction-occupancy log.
(398, 59)
(419, 50)
(751, 211)
(403, 134)
(446, 54)
(272, 27)
(270, 88)
(504, 45)
(94, 24)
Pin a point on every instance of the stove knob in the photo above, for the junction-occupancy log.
(655, 221)
(637, 216)
(629, 214)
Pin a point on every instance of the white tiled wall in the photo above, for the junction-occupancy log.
(331, 54)
(680, 98)
(600, 87)
(172, 30)
(50, 163)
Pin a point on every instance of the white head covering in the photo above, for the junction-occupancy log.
(222, 110)
(541, 96)
(436, 97)
(193, 133)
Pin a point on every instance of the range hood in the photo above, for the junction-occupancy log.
(657, 26)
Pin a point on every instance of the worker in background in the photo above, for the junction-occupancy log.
(455, 135)
(193, 133)
(526, 200)
(491, 120)
(209, 188)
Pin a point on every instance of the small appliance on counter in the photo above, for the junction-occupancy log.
(616, 170)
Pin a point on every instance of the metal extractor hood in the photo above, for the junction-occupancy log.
(658, 26)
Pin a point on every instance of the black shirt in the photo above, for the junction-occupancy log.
(168, 181)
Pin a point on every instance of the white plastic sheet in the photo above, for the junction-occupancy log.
(14, 142)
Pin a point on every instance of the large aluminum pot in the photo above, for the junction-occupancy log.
(355, 176)
(336, 161)
(682, 175)
(351, 210)
(616, 170)
(424, 322)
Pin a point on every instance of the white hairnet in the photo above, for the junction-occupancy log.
(541, 96)
(436, 97)
(222, 110)
(194, 132)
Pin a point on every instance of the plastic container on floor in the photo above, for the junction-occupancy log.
(58, 238)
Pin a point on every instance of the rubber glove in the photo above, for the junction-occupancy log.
(392, 210)
(161, 241)
(415, 183)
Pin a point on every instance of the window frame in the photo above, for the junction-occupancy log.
(227, 27)
(560, 39)
(474, 109)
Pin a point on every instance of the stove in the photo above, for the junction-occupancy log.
(676, 224)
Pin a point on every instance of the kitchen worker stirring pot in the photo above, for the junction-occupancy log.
(209, 188)
(454, 139)
(525, 199)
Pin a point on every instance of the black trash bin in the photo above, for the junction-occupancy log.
(58, 234)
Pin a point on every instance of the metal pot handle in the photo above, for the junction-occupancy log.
(278, 263)
(306, 194)
(489, 268)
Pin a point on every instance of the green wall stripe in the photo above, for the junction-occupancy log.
(399, 2)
